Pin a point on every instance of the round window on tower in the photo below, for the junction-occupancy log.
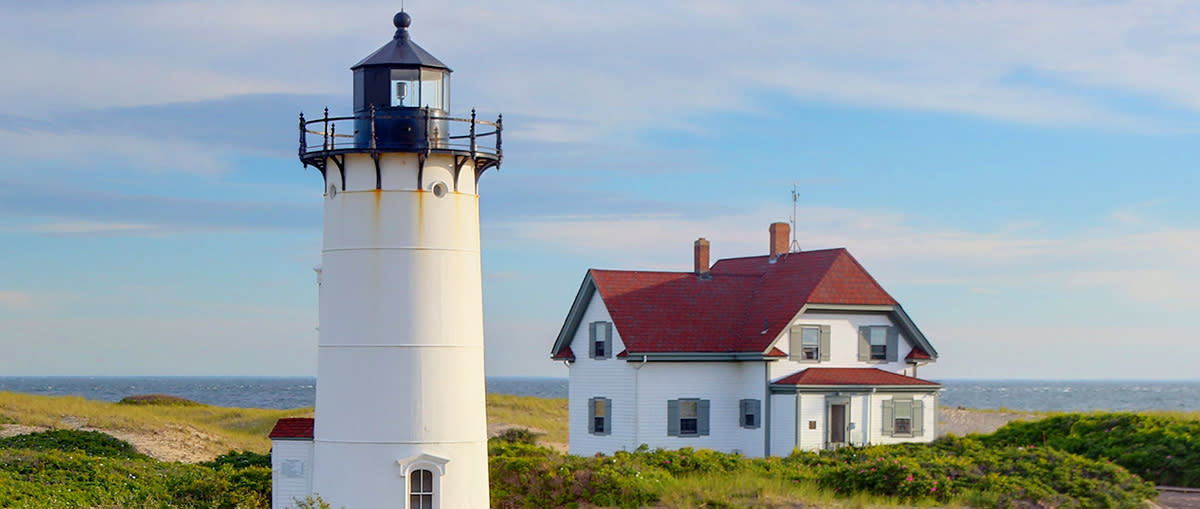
(332, 191)
(439, 189)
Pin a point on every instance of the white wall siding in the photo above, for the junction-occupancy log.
(724, 384)
(611, 378)
(783, 424)
(812, 408)
(929, 428)
(843, 343)
(291, 471)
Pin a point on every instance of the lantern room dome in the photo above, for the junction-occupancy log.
(401, 51)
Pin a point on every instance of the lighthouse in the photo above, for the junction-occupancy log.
(400, 417)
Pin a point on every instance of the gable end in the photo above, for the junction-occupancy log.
(562, 345)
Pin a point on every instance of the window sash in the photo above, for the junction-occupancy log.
(689, 409)
(689, 426)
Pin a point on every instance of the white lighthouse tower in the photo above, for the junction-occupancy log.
(400, 417)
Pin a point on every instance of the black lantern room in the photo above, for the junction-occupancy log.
(401, 104)
(403, 84)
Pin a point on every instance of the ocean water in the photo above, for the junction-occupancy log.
(266, 392)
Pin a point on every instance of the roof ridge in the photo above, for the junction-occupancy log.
(868, 274)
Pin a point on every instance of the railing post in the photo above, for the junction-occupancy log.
(429, 143)
(332, 136)
(325, 131)
(374, 145)
(499, 127)
(303, 140)
(472, 133)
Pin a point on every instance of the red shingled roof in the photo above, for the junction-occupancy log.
(918, 354)
(850, 376)
(564, 354)
(744, 305)
(293, 427)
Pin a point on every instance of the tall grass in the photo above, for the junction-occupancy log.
(547, 415)
(236, 428)
(748, 489)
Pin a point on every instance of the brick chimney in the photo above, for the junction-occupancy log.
(701, 258)
(780, 234)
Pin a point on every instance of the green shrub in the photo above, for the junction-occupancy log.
(93, 443)
(157, 399)
(240, 460)
(518, 436)
(1161, 449)
(952, 470)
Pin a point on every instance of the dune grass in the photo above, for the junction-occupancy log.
(237, 428)
(745, 489)
(547, 415)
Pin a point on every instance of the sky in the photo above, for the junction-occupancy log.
(1021, 176)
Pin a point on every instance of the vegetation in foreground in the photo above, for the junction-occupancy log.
(1022, 465)
(960, 471)
(1161, 448)
(228, 428)
(67, 468)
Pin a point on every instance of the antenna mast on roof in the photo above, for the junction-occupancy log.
(794, 247)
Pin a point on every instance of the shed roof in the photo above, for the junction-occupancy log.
(292, 428)
(850, 376)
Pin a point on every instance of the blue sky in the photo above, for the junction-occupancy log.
(1020, 175)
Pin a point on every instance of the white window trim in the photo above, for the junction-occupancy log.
(434, 464)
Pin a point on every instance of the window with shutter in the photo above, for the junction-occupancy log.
(805, 343)
(600, 416)
(687, 417)
(600, 335)
(749, 409)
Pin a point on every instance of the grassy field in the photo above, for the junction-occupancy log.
(546, 415)
(237, 428)
(232, 428)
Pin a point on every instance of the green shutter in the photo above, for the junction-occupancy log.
(795, 343)
(702, 417)
(864, 343)
(606, 328)
(756, 411)
(918, 418)
(591, 422)
(743, 409)
(893, 344)
(673, 417)
(824, 342)
(887, 418)
(591, 346)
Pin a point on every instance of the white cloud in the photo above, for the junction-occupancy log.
(630, 65)
(113, 150)
(1141, 266)
(90, 228)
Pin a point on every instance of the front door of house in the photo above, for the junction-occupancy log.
(837, 424)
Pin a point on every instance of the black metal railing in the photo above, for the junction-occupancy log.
(415, 129)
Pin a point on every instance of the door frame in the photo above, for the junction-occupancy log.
(830, 401)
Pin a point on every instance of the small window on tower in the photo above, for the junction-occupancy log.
(421, 490)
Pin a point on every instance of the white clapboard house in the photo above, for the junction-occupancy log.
(757, 355)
